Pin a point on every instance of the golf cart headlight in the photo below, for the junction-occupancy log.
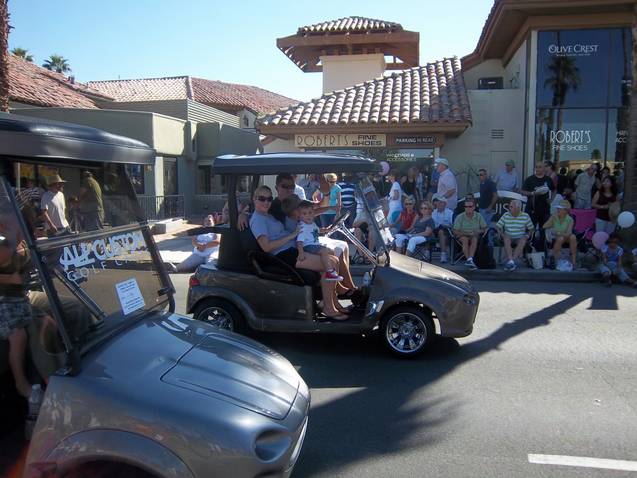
(469, 299)
(373, 307)
(272, 445)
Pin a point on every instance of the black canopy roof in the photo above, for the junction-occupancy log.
(26, 137)
(294, 163)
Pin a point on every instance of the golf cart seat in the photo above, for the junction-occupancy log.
(240, 252)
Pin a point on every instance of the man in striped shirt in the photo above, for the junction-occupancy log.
(515, 228)
(348, 199)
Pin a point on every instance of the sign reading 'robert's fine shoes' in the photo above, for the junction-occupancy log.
(340, 140)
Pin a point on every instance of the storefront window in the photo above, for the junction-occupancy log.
(583, 83)
(204, 179)
(136, 174)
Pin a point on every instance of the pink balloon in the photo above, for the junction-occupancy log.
(599, 239)
(385, 166)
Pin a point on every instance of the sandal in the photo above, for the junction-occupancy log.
(348, 295)
(337, 317)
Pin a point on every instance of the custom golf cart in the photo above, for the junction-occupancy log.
(408, 300)
(132, 389)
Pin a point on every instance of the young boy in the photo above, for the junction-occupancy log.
(15, 310)
(308, 238)
(612, 263)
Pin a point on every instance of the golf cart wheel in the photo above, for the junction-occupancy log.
(407, 330)
(220, 313)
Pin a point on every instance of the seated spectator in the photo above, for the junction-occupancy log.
(420, 232)
(468, 227)
(443, 220)
(612, 263)
(515, 228)
(561, 224)
(405, 219)
(203, 247)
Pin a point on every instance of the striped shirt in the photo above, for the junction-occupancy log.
(348, 191)
(515, 226)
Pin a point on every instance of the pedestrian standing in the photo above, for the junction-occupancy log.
(447, 184)
(54, 206)
(91, 203)
(584, 184)
(537, 188)
(507, 179)
(348, 199)
(395, 198)
(488, 196)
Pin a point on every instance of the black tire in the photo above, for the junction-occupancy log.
(228, 316)
(407, 331)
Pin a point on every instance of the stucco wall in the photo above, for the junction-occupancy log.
(480, 146)
(485, 69)
(347, 70)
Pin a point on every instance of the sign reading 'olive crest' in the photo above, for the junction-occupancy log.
(340, 140)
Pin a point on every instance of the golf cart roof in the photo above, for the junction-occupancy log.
(26, 137)
(293, 163)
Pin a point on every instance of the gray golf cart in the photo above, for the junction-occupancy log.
(409, 301)
(132, 389)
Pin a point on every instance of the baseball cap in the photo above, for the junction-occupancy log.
(509, 162)
(438, 197)
(442, 161)
(563, 204)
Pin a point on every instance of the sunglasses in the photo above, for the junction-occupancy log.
(469, 206)
(425, 207)
(287, 186)
(264, 198)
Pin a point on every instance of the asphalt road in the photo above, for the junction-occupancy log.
(550, 369)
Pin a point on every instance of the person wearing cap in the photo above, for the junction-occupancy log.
(515, 229)
(443, 220)
(561, 223)
(447, 184)
(507, 179)
(54, 205)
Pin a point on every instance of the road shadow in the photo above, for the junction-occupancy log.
(603, 298)
(378, 415)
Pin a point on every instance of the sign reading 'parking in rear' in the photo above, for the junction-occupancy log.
(130, 297)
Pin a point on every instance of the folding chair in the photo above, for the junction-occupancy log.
(424, 251)
(584, 227)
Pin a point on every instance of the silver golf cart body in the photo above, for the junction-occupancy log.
(135, 389)
(408, 299)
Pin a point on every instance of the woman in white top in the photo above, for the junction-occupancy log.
(395, 198)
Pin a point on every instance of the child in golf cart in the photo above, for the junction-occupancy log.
(307, 241)
(15, 310)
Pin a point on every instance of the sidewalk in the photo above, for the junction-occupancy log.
(176, 246)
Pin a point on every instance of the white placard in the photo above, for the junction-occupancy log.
(130, 297)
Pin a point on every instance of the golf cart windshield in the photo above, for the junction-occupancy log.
(87, 230)
(378, 225)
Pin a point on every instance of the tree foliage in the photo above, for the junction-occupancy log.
(57, 63)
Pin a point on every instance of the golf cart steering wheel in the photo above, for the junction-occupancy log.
(338, 223)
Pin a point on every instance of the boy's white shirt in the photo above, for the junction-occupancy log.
(308, 235)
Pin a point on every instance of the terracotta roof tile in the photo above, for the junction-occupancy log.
(34, 85)
(434, 93)
(225, 96)
(349, 25)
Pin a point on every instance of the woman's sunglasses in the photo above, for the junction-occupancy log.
(264, 198)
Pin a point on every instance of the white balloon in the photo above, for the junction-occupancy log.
(626, 219)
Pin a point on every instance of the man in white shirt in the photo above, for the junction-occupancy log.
(443, 219)
(584, 183)
(507, 179)
(54, 206)
(447, 184)
(298, 190)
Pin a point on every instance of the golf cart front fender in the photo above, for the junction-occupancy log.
(412, 296)
(201, 292)
(112, 446)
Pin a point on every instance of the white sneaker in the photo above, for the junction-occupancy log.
(470, 264)
(443, 257)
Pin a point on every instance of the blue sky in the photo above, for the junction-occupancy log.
(227, 41)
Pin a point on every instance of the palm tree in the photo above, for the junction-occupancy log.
(4, 56)
(23, 53)
(57, 63)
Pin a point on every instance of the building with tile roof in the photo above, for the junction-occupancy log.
(547, 81)
(32, 85)
(228, 97)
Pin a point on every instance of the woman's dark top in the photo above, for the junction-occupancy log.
(604, 200)
(409, 187)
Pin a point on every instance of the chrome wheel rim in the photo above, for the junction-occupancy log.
(406, 333)
(217, 317)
